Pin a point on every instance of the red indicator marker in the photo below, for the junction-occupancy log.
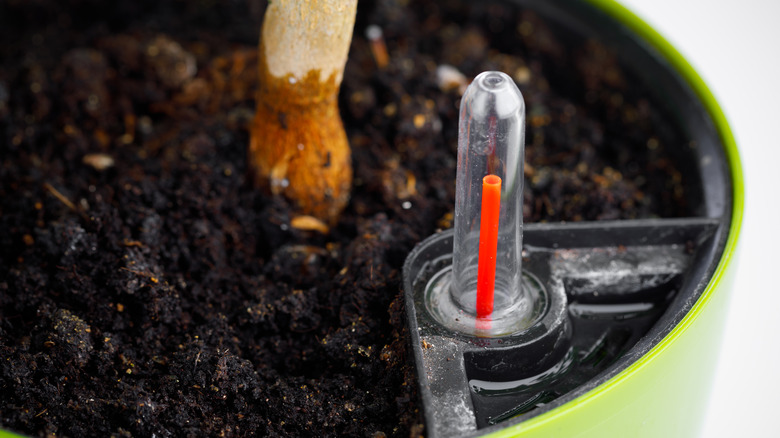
(488, 243)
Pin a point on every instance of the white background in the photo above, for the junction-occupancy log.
(735, 47)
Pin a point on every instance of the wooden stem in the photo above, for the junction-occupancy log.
(298, 146)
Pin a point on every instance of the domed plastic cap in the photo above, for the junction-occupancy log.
(494, 93)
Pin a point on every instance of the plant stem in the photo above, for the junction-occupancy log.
(298, 146)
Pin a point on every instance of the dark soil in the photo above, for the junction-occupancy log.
(146, 289)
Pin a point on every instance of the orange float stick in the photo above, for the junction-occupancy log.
(488, 244)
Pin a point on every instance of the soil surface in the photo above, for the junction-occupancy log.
(146, 289)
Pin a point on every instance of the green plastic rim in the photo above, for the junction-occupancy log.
(599, 412)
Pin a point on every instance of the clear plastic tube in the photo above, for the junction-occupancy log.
(491, 141)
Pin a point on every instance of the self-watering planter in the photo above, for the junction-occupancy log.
(147, 288)
(599, 328)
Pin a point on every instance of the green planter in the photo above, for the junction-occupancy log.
(659, 387)
(664, 392)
